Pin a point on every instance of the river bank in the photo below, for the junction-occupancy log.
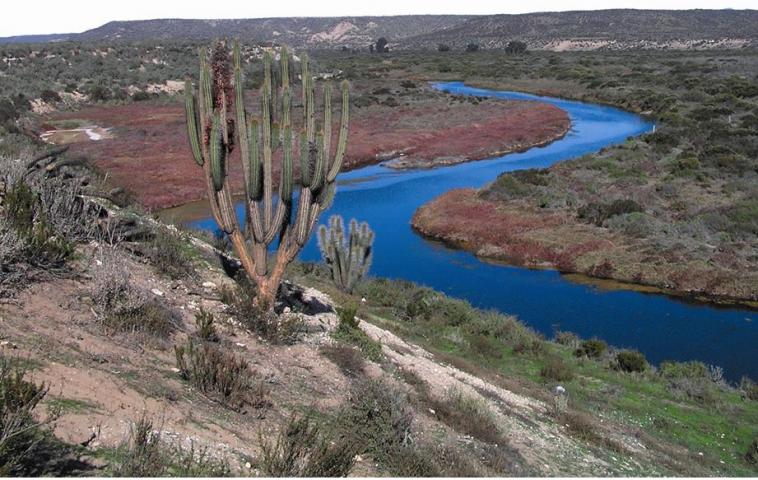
(148, 154)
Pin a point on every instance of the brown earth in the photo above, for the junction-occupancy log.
(149, 154)
(520, 234)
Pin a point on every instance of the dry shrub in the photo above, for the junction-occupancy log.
(568, 339)
(278, 329)
(147, 454)
(303, 449)
(124, 307)
(468, 415)
(583, 427)
(749, 388)
(221, 375)
(347, 358)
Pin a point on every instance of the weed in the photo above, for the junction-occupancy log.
(468, 415)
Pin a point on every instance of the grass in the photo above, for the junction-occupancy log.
(349, 332)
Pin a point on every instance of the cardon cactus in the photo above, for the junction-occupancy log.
(218, 123)
(348, 259)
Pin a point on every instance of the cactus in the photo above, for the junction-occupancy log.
(218, 123)
(348, 260)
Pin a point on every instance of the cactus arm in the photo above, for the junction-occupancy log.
(305, 160)
(217, 152)
(342, 141)
(192, 122)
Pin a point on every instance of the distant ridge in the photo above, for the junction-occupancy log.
(54, 37)
(575, 30)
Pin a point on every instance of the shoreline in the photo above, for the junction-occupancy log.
(575, 275)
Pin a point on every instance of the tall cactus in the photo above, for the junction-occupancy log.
(350, 259)
(218, 123)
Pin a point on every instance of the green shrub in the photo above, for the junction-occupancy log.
(348, 331)
(556, 368)
(221, 375)
(170, 255)
(302, 449)
(598, 213)
(692, 369)
(630, 361)
(284, 329)
(593, 348)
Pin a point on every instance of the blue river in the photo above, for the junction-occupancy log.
(662, 327)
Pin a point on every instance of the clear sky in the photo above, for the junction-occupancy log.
(21, 17)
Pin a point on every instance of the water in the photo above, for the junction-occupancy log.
(662, 327)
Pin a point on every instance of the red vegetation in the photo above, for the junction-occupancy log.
(149, 155)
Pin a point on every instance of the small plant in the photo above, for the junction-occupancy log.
(593, 348)
(206, 330)
(220, 375)
(347, 258)
(277, 329)
(630, 361)
(302, 449)
(751, 456)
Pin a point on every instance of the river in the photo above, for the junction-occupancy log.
(660, 326)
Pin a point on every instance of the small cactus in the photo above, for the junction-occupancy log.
(348, 259)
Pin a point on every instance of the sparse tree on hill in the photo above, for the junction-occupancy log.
(381, 45)
(443, 48)
(515, 47)
(472, 47)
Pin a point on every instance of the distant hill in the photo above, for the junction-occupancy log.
(336, 31)
(603, 29)
(579, 30)
(55, 37)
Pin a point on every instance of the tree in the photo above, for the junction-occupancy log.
(381, 45)
(443, 48)
(218, 123)
(515, 47)
(472, 47)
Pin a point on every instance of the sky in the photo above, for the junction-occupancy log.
(68, 16)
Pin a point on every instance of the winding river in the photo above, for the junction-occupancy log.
(662, 327)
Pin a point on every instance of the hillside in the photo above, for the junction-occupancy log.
(577, 30)
(133, 353)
